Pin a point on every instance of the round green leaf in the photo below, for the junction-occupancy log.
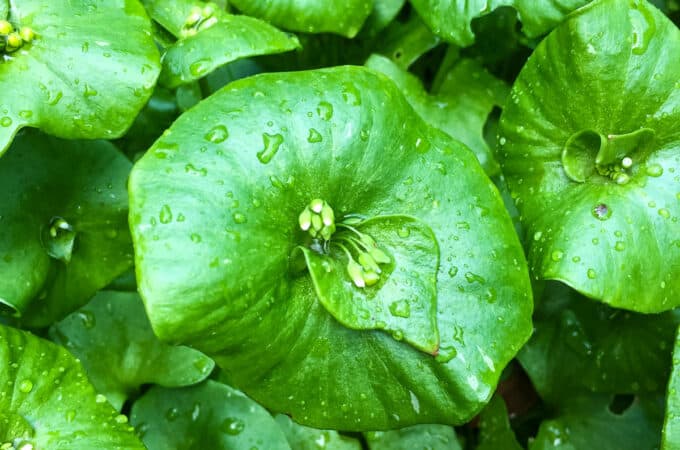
(46, 401)
(64, 207)
(451, 19)
(580, 345)
(210, 415)
(590, 144)
(433, 437)
(113, 339)
(304, 438)
(215, 208)
(80, 77)
(343, 17)
(671, 426)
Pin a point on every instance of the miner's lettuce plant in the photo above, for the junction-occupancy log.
(301, 224)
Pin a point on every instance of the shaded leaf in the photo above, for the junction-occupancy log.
(112, 338)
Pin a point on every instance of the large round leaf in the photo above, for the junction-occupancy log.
(590, 145)
(46, 401)
(583, 346)
(112, 338)
(343, 17)
(451, 19)
(64, 214)
(215, 209)
(88, 71)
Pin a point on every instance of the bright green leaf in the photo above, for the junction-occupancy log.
(588, 422)
(214, 40)
(304, 438)
(404, 302)
(582, 346)
(599, 221)
(215, 217)
(343, 17)
(451, 19)
(495, 432)
(64, 209)
(418, 437)
(80, 77)
(210, 415)
(460, 107)
(671, 426)
(112, 338)
(46, 401)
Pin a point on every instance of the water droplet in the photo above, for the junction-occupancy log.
(233, 426)
(100, 398)
(453, 271)
(272, 142)
(26, 386)
(195, 238)
(538, 235)
(491, 295)
(217, 134)
(400, 308)
(325, 110)
(172, 414)
(166, 214)
(663, 212)
(239, 218)
(472, 277)
(403, 232)
(644, 27)
(70, 415)
(58, 239)
(200, 67)
(601, 211)
(557, 255)
(619, 246)
(591, 274)
(397, 335)
(190, 168)
(89, 91)
(6, 121)
(654, 170)
(314, 136)
(121, 418)
(87, 318)
(26, 114)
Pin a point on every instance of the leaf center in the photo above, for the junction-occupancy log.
(588, 154)
(12, 37)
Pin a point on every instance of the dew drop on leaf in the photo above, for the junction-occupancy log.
(165, 215)
(271, 142)
(400, 308)
(233, 426)
(217, 134)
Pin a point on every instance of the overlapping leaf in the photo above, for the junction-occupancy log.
(64, 218)
(451, 19)
(80, 77)
(590, 145)
(112, 338)
(47, 402)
